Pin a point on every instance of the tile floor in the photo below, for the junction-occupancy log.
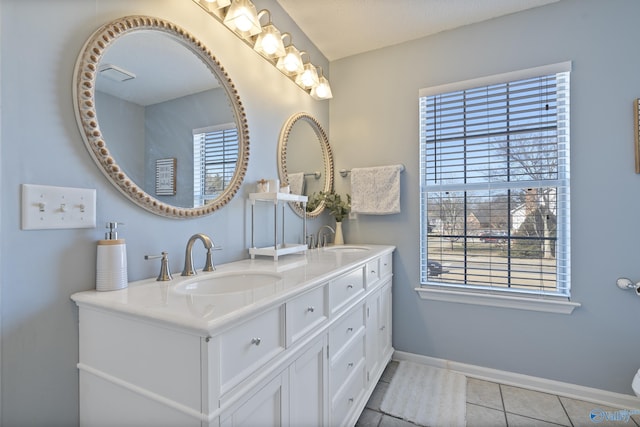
(491, 404)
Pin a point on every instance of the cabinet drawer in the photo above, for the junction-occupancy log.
(372, 272)
(345, 363)
(345, 288)
(386, 265)
(305, 312)
(378, 269)
(346, 330)
(347, 398)
(249, 345)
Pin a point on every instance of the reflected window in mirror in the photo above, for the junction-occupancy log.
(215, 156)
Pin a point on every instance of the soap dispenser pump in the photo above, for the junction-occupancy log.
(111, 267)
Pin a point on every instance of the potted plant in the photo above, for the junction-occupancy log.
(339, 209)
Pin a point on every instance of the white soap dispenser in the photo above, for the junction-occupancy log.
(111, 268)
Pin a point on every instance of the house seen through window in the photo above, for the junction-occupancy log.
(215, 155)
(494, 183)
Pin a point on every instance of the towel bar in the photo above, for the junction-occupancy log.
(345, 172)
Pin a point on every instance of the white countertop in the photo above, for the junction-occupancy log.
(205, 315)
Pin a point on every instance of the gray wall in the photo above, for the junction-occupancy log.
(125, 132)
(41, 144)
(374, 121)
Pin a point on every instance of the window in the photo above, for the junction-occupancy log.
(494, 173)
(215, 155)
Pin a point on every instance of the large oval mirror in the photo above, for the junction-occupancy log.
(160, 117)
(305, 161)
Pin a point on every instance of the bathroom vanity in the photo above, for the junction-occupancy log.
(298, 342)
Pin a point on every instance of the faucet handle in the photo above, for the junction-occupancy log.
(165, 273)
(311, 241)
(208, 265)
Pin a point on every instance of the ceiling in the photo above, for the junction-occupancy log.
(162, 68)
(373, 24)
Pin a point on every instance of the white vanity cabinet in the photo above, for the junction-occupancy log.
(309, 358)
(348, 368)
(378, 324)
(308, 377)
(268, 406)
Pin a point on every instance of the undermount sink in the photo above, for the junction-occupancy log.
(346, 248)
(228, 282)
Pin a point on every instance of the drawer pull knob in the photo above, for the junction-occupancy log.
(349, 286)
(310, 309)
(350, 400)
(350, 365)
(382, 328)
(256, 341)
(349, 329)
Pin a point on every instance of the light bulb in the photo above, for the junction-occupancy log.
(270, 44)
(307, 78)
(322, 90)
(291, 62)
(242, 22)
(242, 18)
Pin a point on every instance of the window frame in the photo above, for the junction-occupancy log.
(540, 301)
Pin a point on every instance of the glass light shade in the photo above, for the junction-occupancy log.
(269, 42)
(242, 18)
(322, 90)
(291, 62)
(309, 77)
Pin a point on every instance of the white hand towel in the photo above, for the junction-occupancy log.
(296, 182)
(376, 190)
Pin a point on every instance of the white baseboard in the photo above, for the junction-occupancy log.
(573, 391)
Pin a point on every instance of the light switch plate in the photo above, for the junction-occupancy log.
(45, 206)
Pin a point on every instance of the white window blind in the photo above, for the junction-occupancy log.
(215, 157)
(494, 170)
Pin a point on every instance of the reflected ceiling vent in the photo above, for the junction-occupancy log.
(115, 73)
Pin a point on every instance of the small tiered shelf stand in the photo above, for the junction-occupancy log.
(279, 247)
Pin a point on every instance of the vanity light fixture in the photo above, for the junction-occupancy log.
(241, 18)
(269, 42)
(291, 63)
(322, 90)
(308, 78)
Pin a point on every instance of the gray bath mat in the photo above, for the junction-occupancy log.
(427, 396)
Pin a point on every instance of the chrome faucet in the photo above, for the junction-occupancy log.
(188, 256)
(322, 238)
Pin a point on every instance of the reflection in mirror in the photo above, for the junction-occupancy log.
(146, 92)
(305, 160)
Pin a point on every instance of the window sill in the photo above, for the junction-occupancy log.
(533, 303)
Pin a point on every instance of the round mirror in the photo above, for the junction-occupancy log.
(305, 161)
(160, 117)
